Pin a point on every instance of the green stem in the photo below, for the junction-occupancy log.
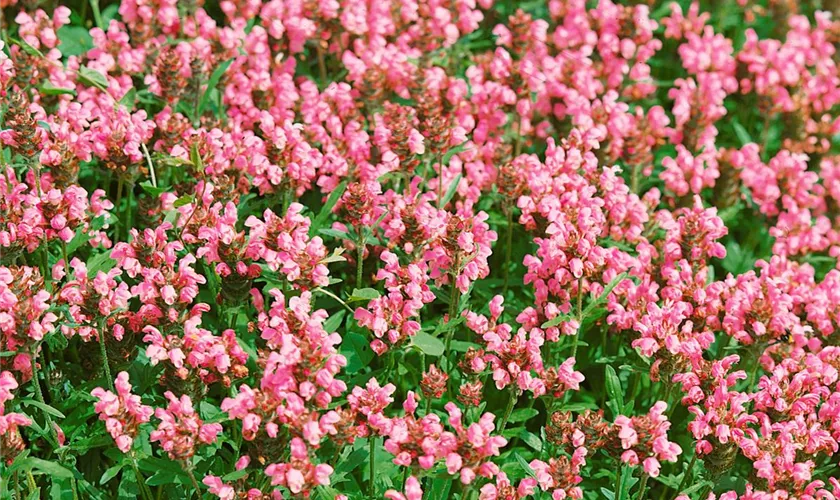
(322, 66)
(687, 474)
(128, 224)
(30, 480)
(454, 298)
(617, 492)
(372, 485)
(117, 204)
(97, 15)
(508, 250)
(579, 317)
(141, 481)
(634, 178)
(83, 14)
(189, 470)
(511, 403)
(360, 262)
(334, 296)
(105, 365)
(754, 372)
(440, 181)
(36, 168)
(642, 487)
(74, 488)
(39, 395)
(151, 165)
(64, 254)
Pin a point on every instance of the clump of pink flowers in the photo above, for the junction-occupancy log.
(123, 412)
(452, 248)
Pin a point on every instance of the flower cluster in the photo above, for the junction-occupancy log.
(450, 248)
(122, 412)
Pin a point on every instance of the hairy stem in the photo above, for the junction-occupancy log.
(617, 491)
(39, 395)
(508, 250)
(579, 317)
(151, 165)
(511, 403)
(97, 15)
(454, 298)
(117, 203)
(687, 474)
(360, 263)
(372, 485)
(642, 487)
(322, 66)
(189, 470)
(141, 481)
(105, 365)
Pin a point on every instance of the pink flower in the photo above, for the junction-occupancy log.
(122, 412)
(412, 491)
(181, 430)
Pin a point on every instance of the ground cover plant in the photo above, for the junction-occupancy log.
(419, 249)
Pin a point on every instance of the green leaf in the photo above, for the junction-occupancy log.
(48, 88)
(44, 407)
(111, 473)
(61, 490)
(326, 210)
(153, 191)
(531, 439)
(356, 349)
(211, 84)
(235, 475)
(195, 157)
(450, 191)
(75, 40)
(603, 298)
(462, 346)
(335, 256)
(334, 321)
(439, 489)
(110, 13)
(697, 487)
(352, 461)
(163, 477)
(93, 78)
(183, 200)
(741, 133)
(335, 233)
(614, 389)
(578, 407)
(100, 262)
(360, 294)
(209, 412)
(50, 468)
(523, 415)
(129, 489)
(460, 148)
(99, 222)
(555, 321)
(525, 465)
(429, 345)
(129, 99)
(29, 49)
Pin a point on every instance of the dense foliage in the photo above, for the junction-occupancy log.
(419, 249)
